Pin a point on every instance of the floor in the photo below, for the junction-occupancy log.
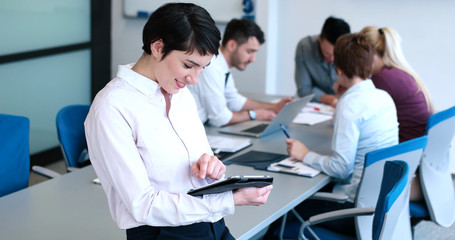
(422, 231)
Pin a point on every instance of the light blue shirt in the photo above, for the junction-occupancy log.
(365, 120)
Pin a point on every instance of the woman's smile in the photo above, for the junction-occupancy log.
(180, 84)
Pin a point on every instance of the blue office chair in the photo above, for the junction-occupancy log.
(14, 153)
(435, 176)
(71, 135)
(368, 191)
(411, 152)
(392, 199)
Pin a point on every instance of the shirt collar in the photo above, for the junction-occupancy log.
(143, 84)
(365, 84)
(221, 60)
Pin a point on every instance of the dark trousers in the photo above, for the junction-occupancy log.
(202, 231)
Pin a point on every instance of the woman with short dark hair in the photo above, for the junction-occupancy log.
(147, 144)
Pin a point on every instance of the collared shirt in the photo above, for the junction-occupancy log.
(365, 120)
(215, 98)
(143, 158)
(312, 74)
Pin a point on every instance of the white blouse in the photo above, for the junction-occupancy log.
(143, 158)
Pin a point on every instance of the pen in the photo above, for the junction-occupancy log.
(285, 131)
(284, 165)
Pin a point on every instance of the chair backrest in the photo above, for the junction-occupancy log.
(14, 153)
(392, 199)
(71, 134)
(435, 175)
(368, 191)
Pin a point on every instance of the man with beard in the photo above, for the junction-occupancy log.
(216, 96)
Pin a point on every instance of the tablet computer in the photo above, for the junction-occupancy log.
(232, 183)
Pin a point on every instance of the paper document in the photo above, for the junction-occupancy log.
(311, 118)
(227, 144)
(293, 167)
(314, 113)
(320, 108)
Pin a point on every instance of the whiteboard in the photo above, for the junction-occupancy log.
(221, 10)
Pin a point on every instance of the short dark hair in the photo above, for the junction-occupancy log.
(333, 28)
(354, 55)
(242, 29)
(183, 27)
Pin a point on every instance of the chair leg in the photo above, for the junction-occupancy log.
(297, 215)
(283, 226)
(283, 223)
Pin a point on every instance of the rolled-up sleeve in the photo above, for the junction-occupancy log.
(344, 146)
(211, 96)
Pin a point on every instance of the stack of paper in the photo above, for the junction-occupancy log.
(318, 108)
(314, 113)
(227, 144)
(293, 167)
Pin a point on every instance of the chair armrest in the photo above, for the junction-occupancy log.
(71, 169)
(45, 172)
(333, 215)
(344, 213)
(327, 196)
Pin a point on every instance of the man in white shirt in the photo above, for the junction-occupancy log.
(216, 96)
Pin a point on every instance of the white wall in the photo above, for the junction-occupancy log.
(126, 37)
(426, 27)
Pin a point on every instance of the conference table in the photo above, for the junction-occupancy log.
(288, 190)
(72, 207)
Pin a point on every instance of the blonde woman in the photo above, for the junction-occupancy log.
(392, 73)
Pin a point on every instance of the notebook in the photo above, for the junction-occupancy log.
(257, 159)
(293, 167)
(227, 143)
(262, 128)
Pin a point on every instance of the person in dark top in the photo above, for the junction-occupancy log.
(392, 73)
(314, 68)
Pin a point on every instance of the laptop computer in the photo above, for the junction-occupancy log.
(258, 129)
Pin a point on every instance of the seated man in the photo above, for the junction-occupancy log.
(216, 96)
(314, 68)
